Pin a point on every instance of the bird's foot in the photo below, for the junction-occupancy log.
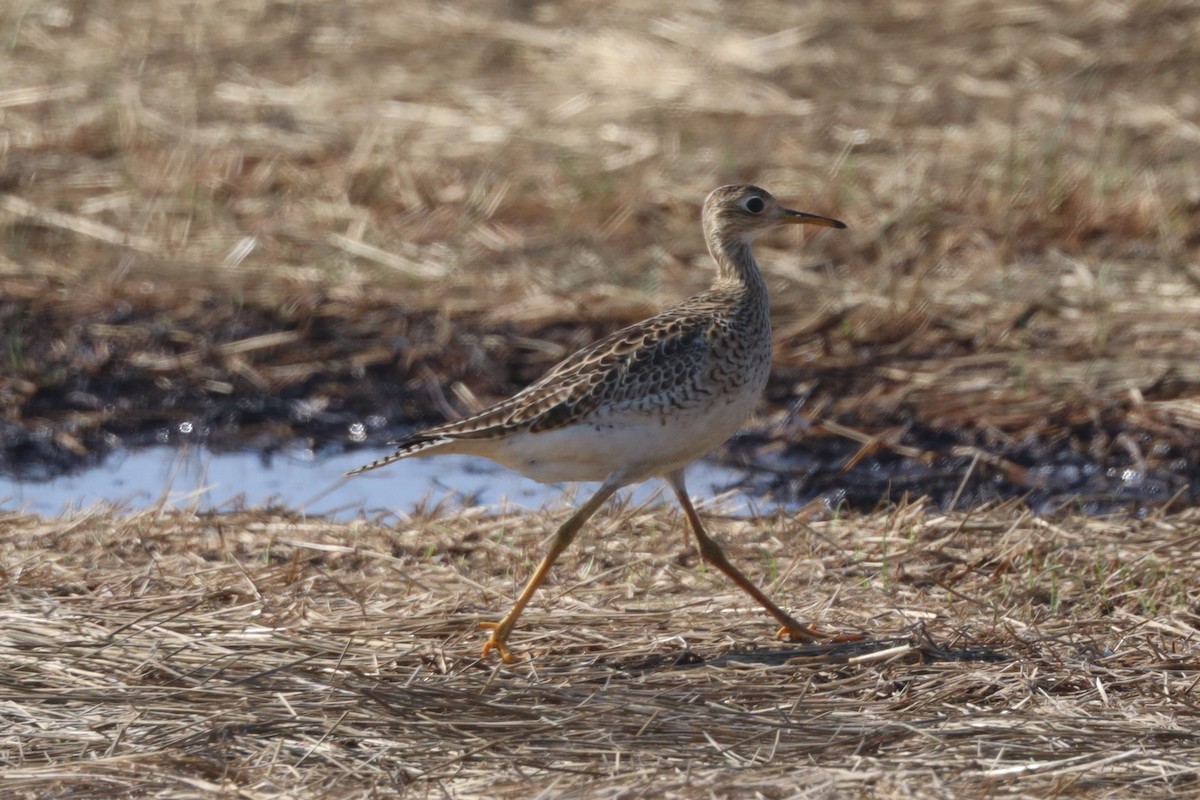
(498, 641)
(799, 632)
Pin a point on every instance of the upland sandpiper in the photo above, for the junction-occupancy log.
(643, 402)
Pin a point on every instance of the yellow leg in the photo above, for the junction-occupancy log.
(712, 553)
(498, 640)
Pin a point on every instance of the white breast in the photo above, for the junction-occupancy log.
(638, 445)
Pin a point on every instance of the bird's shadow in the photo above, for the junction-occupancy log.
(916, 645)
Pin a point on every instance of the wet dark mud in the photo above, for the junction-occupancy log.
(963, 470)
(78, 389)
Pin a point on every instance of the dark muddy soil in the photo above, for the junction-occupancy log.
(260, 380)
(255, 379)
(963, 470)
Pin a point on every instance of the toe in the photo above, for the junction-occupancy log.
(496, 643)
(799, 633)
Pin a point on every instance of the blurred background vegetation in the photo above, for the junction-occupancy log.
(282, 217)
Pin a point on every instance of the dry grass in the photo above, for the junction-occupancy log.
(169, 654)
(1021, 184)
(389, 208)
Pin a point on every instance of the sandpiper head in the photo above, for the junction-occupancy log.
(745, 212)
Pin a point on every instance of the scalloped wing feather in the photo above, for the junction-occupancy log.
(638, 363)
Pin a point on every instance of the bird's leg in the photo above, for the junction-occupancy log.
(562, 539)
(712, 553)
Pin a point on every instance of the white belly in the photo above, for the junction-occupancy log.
(636, 445)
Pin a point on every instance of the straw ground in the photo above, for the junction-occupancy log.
(256, 654)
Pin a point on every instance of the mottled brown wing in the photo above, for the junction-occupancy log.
(635, 366)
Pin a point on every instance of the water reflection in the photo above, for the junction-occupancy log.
(300, 481)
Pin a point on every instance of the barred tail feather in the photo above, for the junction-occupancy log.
(404, 448)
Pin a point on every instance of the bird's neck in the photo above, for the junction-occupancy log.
(736, 267)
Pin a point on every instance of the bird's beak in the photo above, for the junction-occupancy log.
(800, 218)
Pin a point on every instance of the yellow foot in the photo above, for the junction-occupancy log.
(799, 633)
(808, 633)
(497, 643)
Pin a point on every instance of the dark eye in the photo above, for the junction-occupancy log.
(754, 205)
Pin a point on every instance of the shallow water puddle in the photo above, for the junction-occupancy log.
(299, 480)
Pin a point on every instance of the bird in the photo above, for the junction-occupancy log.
(643, 402)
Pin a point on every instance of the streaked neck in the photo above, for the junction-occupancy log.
(735, 264)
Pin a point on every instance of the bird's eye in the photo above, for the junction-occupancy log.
(754, 205)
